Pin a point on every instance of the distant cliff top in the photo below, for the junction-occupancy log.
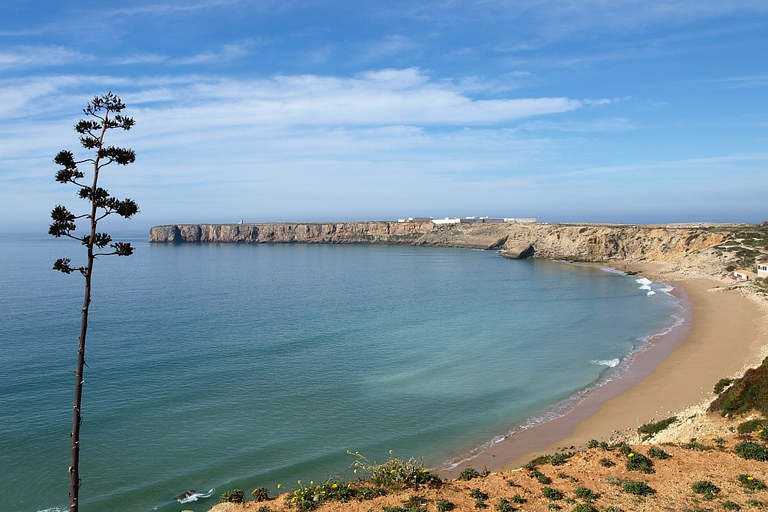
(702, 249)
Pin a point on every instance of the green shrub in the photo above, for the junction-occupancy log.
(607, 463)
(584, 507)
(585, 493)
(559, 459)
(751, 451)
(551, 494)
(750, 426)
(751, 483)
(538, 475)
(637, 488)
(705, 488)
(657, 453)
(444, 506)
(263, 509)
(504, 505)
(396, 473)
(638, 462)
(518, 499)
(651, 429)
(260, 494)
(592, 444)
(468, 474)
(479, 497)
(233, 496)
(623, 448)
(313, 495)
(729, 505)
(747, 393)
(693, 444)
(722, 384)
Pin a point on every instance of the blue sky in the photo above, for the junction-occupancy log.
(635, 111)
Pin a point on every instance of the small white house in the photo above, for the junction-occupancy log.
(762, 269)
(743, 275)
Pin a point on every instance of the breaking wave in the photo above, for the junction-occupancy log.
(190, 496)
(610, 363)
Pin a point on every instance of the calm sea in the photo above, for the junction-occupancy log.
(213, 367)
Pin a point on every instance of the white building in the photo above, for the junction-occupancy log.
(522, 220)
(743, 275)
(447, 220)
(762, 269)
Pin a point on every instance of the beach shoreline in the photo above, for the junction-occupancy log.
(724, 333)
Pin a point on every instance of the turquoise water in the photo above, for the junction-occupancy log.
(212, 367)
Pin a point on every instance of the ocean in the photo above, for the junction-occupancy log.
(215, 367)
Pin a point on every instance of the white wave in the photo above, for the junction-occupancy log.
(54, 509)
(645, 284)
(190, 496)
(651, 293)
(610, 363)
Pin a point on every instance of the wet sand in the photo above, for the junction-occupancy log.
(723, 334)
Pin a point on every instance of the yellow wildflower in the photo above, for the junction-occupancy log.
(631, 455)
(750, 478)
(334, 486)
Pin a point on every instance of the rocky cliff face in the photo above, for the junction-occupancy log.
(589, 243)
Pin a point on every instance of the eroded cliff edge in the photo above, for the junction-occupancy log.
(694, 248)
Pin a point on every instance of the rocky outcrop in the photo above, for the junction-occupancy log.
(587, 243)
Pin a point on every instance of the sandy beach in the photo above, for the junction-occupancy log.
(724, 333)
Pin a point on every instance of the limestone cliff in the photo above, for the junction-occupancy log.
(697, 247)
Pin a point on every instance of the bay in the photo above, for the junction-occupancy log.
(213, 367)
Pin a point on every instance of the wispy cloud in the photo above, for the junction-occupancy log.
(736, 82)
(25, 57)
(159, 8)
(223, 53)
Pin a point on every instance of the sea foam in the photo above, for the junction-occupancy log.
(610, 363)
(190, 496)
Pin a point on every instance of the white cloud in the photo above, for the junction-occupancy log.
(30, 56)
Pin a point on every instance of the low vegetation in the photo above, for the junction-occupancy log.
(651, 429)
(748, 393)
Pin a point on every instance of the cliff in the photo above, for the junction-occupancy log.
(693, 248)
